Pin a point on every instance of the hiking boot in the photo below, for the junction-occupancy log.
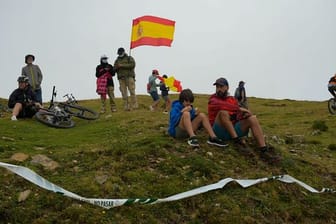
(241, 146)
(193, 142)
(268, 154)
(217, 142)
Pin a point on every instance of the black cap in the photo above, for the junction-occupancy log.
(29, 56)
(221, 82)
(120, 51)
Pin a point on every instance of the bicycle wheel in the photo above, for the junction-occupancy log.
(79, 111)
(332, 106)
(53, 120)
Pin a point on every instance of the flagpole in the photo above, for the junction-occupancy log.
(131, 39)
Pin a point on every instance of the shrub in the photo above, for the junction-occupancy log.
(320, 125)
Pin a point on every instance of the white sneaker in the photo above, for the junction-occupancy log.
(151, 108)
(13, 118)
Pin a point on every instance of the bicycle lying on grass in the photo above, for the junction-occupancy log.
(59, 114)
(332, 106)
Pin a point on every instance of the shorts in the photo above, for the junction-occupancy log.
(28, 111)
(223, 134)
(166, 98)
(154, 95)
(180, 133)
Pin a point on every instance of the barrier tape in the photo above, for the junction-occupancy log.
(111, 203)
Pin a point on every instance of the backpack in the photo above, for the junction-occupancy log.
(148, 87)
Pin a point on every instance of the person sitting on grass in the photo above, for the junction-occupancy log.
(22, 101)
(232, 122)
(185, 120)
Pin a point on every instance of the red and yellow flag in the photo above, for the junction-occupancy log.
(151, 30)
(173, 84)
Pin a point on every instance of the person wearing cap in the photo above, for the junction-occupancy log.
(34, 74)
(240, 95)
(105, 84)
(124, 67)
(185, 120)
(152, 89)
(22, 100)
(232, 122)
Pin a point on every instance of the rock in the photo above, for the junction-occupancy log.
(8, 138)
(210, 154)
(45, 161)
(19, 157)
(101, 179)
(24, 195)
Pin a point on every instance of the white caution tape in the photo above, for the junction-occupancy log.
(110, 203)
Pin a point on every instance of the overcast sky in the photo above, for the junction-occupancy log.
(282, 49)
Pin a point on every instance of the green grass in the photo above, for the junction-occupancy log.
(139, 159)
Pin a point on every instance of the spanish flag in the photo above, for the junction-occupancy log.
(151, 30)
(173, 84)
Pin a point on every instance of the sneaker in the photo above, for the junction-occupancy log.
(151, 108)
(192, 141)
(165, 112)
(269, 155)
(217, 142)
(13, 118)
(242, 147)
(113, 110)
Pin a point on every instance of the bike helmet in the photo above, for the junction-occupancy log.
(103, 56)
(22, 79)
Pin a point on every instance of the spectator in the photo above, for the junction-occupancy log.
(185, 120)
(124, 66)
(152, 85)
(164, 93)
(105, 84)
(231, 122)
(240, 95)
(34, 74)
(22, 100)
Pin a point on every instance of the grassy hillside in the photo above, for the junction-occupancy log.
(132, 154)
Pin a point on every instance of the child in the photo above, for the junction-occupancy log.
(185, 120)
(164, 93)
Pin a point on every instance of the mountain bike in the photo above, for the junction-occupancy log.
(71, 106)
(59, 114)
(332, 106)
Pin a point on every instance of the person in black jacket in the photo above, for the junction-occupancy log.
(22, 101)
(105, 84)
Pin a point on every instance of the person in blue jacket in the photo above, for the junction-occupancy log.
(184, 120)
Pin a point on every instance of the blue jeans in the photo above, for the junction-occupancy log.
(38, 95)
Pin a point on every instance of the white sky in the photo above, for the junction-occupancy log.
(283, 49)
